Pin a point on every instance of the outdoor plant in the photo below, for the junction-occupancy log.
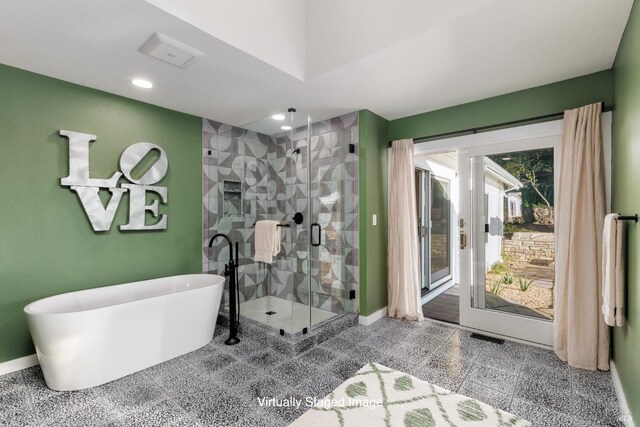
(535, 170)
(512, 227)
(496, 288)
(498, 267)
(524, 284)
(501, 266)
(507, 278)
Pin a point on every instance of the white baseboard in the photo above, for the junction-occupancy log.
(367, 320)
(627, 416)
(18, 364)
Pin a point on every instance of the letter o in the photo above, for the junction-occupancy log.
(134, 154)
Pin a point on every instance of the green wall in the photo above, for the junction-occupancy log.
(625, 199)
(538, 101)
(622, 85)
(373, 201)
(47, 245)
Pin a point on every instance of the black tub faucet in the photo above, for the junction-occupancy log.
(231, 271)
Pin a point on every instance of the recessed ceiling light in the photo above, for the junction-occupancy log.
(285, 127)
(278, 117)
(145, 84)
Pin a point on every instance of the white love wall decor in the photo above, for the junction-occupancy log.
(88, 188)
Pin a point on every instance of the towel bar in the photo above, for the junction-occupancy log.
(628, 217)
(279, 225)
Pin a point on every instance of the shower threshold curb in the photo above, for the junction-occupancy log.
(290, 344)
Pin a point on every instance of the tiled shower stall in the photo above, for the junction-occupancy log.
(259, 171)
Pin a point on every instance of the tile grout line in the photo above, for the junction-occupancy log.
(515, 386)
(32, 403)
(244, 355)
(467, 374)
(172, 399)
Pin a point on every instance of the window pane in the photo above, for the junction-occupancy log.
(519, 232)
(440, 229)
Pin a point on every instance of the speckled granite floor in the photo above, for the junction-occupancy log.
(220, 385)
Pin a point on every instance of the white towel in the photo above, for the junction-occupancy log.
(267, 241)
(613, 255)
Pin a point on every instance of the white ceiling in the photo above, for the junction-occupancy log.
(324, 57)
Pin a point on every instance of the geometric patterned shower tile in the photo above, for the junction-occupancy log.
(320, 127)
(346, 121)
(275, 187)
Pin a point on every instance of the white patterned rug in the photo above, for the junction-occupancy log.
(380, 396)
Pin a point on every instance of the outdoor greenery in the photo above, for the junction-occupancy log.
(507, 278)
(524, 284)
(496, 287)
(503, 270)
(512, 227)
(500, 267)
(534, 169)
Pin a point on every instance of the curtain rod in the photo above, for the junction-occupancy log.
(471, 131)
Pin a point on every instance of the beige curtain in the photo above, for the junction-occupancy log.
(404, 276)
(581, 336)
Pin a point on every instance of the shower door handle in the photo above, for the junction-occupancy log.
(318, 241)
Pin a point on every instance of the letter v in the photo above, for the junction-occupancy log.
(100, 217)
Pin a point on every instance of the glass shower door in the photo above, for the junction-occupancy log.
(332, 236)
(297, 200)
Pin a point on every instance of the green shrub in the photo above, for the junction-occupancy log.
(511, 227)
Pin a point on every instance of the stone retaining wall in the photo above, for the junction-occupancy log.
(529, 248)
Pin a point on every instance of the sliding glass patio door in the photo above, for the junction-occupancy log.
(422, 206)
(433, 201)
(440, 236)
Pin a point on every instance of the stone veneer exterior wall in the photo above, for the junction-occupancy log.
(274, 186)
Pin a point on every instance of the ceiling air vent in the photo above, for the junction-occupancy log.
(169, 50)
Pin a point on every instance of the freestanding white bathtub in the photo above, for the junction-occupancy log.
(90, 337)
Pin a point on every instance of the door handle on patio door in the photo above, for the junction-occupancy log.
(463, 240)
(317, 243)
